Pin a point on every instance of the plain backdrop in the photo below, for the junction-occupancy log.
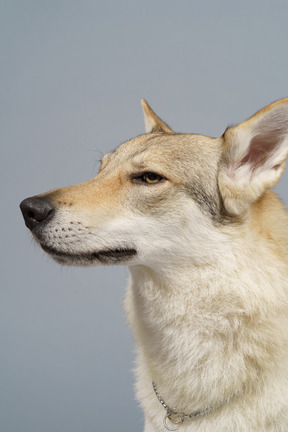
(72, 76)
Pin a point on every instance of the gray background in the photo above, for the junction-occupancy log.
(72, 75)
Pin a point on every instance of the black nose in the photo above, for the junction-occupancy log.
(36, 211)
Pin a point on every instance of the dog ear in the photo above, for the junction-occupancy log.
(254, 156)
(153, 123)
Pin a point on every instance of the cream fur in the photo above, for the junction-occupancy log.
(208, 294)
(206, 333)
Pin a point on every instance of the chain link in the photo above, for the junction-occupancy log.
(177, 418)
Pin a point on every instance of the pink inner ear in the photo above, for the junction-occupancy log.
(260, 149)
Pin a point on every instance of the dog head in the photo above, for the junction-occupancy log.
(163, 197)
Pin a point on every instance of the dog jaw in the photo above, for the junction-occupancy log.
(109, 257)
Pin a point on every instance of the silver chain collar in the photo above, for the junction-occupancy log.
(177, 418)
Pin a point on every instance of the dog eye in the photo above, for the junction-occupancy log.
(151, 178)
(148, 177)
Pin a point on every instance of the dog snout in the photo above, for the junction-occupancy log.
(36, 211)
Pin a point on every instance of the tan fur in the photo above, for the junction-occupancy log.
(208, 256)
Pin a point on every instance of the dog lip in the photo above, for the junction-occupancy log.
(102, 255)
(116, 253)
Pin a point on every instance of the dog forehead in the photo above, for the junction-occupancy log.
(165, 148)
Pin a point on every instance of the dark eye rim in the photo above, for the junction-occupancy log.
(142, 178)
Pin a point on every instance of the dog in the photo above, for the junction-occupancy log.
(206, 242)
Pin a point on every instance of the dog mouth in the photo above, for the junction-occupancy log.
(109, 256)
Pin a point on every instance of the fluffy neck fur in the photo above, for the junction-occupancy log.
(206, 332)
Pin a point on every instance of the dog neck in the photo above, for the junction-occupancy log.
(185, 332)
(194, 327)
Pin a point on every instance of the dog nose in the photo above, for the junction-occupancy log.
(36, 211)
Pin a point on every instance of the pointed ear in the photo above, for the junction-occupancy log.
(253, 157)
(153, 123)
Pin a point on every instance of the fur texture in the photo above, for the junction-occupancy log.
(206, 242)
